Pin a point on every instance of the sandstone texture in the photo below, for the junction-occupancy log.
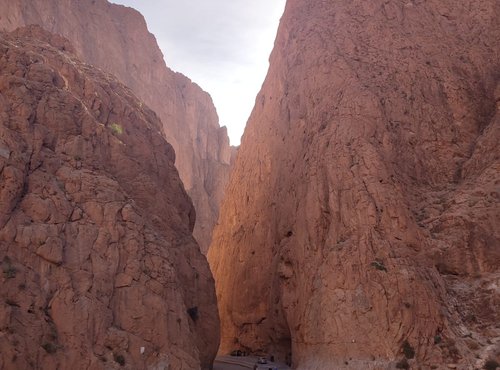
(361, 224)
(115, 39)
(99, 269)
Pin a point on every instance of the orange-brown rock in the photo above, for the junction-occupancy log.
(361, 224)
(99, 269)
(115, 38)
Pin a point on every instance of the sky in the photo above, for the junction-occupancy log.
(222, 45)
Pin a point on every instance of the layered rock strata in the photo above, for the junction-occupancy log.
(361, 226)
(115, 38)
(99, 266)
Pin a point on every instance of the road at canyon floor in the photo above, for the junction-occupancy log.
(244, 362)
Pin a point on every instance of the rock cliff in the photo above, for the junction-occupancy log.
(361, 224)
(99, 269)
(115, 38)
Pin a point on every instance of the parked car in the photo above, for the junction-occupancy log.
(262, 360)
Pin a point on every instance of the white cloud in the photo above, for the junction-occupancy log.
(222, 45)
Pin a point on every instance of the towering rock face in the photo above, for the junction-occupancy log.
(115, 38)
(99, 267)
(361, 223)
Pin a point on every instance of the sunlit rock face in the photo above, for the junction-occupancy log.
(99, 269)
(115, 39)
(361, 224)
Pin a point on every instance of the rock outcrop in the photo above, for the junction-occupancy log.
(361, 224)
(115, 38)
(99, 268)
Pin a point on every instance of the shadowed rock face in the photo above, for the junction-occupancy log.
(96, 262)
(115, 38)
(361, 221)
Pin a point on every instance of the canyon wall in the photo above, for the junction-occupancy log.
(360, 228)
(115, 38)
(99, 268)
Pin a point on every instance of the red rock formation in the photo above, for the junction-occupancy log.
(99, 267)
(361, 222)
(115, 38)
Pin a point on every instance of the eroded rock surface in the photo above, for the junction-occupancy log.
(99, 269)
(115, 38)
(361, 225)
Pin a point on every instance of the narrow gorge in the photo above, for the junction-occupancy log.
(357, 226)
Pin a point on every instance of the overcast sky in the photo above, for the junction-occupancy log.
(222, 45)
